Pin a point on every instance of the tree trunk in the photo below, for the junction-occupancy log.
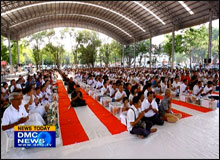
(190, 59)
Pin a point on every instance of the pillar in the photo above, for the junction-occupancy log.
(9, 49)
(18, 53)
(210, 35)
(150, 51)
(134, 53)
(173, 47)
(123, 55)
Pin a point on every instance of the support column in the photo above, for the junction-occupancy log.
(173, 47)
(9, 49)
(18, 52)
(134, 54)
(210, 35)
(150, 51)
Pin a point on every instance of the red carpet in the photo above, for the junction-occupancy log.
(217, 93)
(184, 115)
(70, 126)
(113, 124)
(188, 105)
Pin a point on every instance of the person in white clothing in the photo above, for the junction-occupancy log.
(198, 89)
(208, 90)
(176, 86)
(120, 94)
(146, 89)
(151, 109)
(133, 94)
(105, 89)
(134, 120)
(183, 87)
(16, 114)
(99, 84)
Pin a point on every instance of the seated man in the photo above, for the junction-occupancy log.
(165, 109)
(149, 105)
(76, 98)
(134, 118)
(120, 94)
(208, 91)
(184, 87)
(16, 114)
(198, 89)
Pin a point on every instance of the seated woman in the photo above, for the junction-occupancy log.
(165, 109)
(76, 98)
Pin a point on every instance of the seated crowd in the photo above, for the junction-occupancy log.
(26, 101)
(136, 90)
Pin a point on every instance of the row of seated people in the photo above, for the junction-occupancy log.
(28, 105)
(123, 91)
(154, 111)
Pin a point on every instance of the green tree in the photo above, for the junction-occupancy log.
(167, 45)
(4, 50)
(87, 44)
(38, 39)
(56, 53)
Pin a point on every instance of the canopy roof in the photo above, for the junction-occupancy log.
(124, 21)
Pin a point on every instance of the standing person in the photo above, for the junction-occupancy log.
(77, 98)
(150, 107)
(134, 119)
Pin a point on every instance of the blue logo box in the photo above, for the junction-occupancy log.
(35, 138)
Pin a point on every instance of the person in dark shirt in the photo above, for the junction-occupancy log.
(194, 80)
(76, 98)
(71, 85)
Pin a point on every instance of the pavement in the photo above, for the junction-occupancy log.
(15, 76)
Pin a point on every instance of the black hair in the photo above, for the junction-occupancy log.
(77, 86)
(135, 100)
(150, 92)
(124, 99)
(4, 83)
(28, 89)
(140, 94)
(133, 89)
(209, 82)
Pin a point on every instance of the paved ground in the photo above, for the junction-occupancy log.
(9, 77)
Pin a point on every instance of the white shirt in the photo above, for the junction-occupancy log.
(163, 87)
(196, 90)
(18, 86)
(131, 117)
(12, 88)
(89, 81)
(99, 84)
(145, 93)
(103, 90)
(94, 84)
(175, 85)
(12, 115)
(112, 91)
(118, 95)
(183, 88)
(146, 104)
(206, 89)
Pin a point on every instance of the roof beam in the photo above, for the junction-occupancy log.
(164, 10)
